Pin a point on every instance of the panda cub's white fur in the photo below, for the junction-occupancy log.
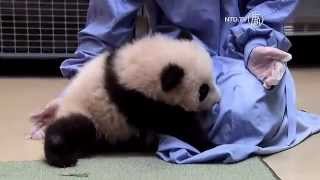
(139, 67)
(173, 76)
(86, 95)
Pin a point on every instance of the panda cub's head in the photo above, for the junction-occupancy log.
(175, 72)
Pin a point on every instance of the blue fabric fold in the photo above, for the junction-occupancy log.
(249, 120)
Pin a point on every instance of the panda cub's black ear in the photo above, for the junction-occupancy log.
(185, 35)
(171, 77)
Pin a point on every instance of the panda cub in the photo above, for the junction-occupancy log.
(121, 101)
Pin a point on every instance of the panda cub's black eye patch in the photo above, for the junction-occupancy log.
(203, 91)
(171, 76)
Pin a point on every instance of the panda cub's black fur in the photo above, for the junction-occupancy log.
(76, 131)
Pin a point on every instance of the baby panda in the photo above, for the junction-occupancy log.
(121, 101)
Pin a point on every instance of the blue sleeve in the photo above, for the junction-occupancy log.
(273, 13)
(110, 23)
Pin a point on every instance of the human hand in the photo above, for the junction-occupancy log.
(268, 64)
(43, 118)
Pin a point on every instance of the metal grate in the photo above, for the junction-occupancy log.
(303, 29)
(40, 28)
(49, 28)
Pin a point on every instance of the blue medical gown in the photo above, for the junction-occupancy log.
(249, 119)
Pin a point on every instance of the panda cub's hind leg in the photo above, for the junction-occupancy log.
(68, 139)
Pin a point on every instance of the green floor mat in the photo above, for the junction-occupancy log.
(135, 168)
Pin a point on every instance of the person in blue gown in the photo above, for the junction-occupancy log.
(257, 113)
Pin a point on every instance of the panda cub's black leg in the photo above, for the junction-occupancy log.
(67, 139)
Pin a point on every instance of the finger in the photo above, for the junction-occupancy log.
(37, 135)
(47, 113)
(272, 81)
(39, 117)
(287, 58)
(279, 55)
(269, 82)
(37, 132)
(265, 85)
(278, 70)
(40, 114)
(260, 73)
(34, 117)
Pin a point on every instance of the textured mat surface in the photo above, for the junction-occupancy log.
(134, 167)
